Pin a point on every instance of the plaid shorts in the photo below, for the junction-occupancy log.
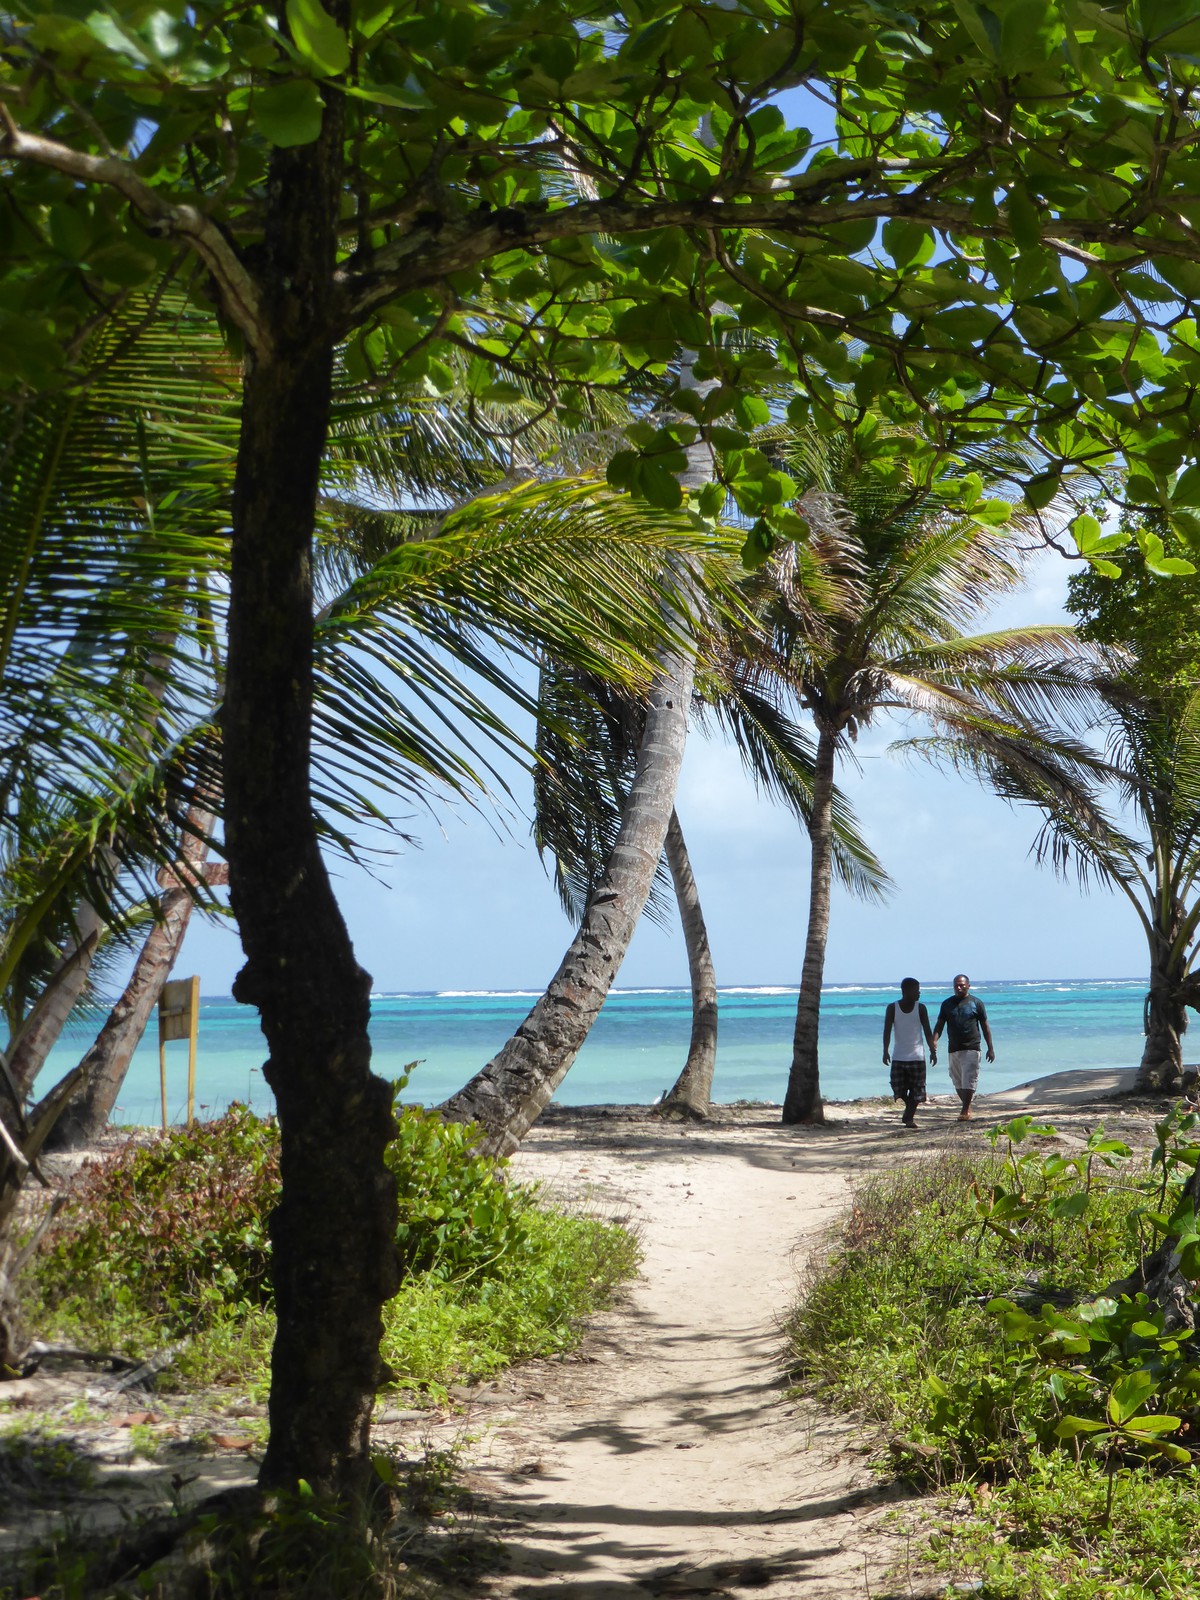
(908, 1077)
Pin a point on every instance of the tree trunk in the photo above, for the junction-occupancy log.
(58, 999)
(509, 1094)
(802, 1103)
(107, 1062)
(693, 1088)
(1166, 1020)
(334, 1257)
(513, 1089)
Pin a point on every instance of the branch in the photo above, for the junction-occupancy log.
(239, 290)
(439, 244)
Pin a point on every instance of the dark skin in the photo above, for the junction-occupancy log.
(962, 988)
(910, 996)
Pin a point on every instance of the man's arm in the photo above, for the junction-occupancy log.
(938, 1026)
(930, 1038)
(887, 1031)
(987, 1034)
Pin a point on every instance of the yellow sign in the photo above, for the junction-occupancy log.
(179, 1018)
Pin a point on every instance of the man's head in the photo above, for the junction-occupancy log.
(910, 989)
(961, 985)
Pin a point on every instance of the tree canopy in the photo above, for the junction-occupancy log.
(1002, 234)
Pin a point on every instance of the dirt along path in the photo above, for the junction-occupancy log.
(673, 1461)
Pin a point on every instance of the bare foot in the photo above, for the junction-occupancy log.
(964, 1116)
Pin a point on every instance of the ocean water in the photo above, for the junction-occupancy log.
(639, 1043)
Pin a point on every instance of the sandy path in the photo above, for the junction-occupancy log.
(678, 1465)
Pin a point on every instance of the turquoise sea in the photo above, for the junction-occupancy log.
(639, 1042)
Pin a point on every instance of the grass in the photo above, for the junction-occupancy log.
(894, 1324)
(438, 1331)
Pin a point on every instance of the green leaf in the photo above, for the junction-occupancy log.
(1155, 559)
(1086, 533)
(289, 113)
(908, 243)
(1129, 1395)
(1024, 218)
(1039, 491)
(1069, 1426)
(317, 37)
(1156, 1424)
(658, 486)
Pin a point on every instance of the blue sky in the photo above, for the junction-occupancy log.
(474, 909)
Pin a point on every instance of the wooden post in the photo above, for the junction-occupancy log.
(162, 1073)
(179, 1018)
(194, 1012)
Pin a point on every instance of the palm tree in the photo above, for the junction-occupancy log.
(140, 461)
(1151, 734)
(587, 755)
(905, 568)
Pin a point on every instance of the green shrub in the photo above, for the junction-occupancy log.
(457, 1216)
(959, 1308)
(438, 1331)
(169, 1239)
(174, 1230)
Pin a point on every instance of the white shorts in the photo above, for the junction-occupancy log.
(964, 1070)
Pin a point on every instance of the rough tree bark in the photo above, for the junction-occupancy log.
(692, 1090)
(1160, 1279)
(334, 1259)
(802, 1103)
(1166, 1020)
(22, 1136)
(107, 1062)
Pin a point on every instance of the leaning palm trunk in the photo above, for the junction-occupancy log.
(802, 1103)
(692, 1091)
(107, 1062)
(511, 1091)
(46, 1021)
(508, 1095)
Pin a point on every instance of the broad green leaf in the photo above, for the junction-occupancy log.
(318, 38)
(1129, 1395)
(289, 113)
(1024, 218)
(1040, 490)
(1069, 1426)
(1156, 1424)
(1155, 558)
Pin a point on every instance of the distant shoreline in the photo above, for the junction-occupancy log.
(833, 986)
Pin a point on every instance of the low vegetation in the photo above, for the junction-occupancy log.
(167, 1243)
(961, 1308)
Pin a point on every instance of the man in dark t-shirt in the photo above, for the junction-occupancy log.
(964, 1018)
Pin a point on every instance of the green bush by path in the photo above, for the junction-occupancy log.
(169, 1241)
(959, 1309)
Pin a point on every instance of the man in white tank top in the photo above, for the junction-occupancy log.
(909, 1020)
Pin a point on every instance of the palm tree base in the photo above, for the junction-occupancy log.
(799, 1119)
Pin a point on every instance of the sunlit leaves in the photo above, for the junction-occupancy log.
(937, 262)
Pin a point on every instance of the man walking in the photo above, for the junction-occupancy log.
(964, 1018)
(910, 1020)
